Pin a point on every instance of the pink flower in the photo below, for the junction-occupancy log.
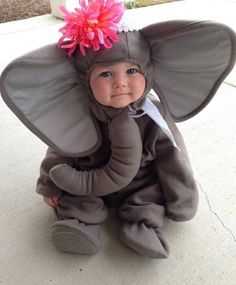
(93, 24)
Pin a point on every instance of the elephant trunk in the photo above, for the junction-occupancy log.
(123, 165)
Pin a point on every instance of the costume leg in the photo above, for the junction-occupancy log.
(143, 215)
(77, 230)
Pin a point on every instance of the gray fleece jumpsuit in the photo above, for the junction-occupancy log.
(164, 185)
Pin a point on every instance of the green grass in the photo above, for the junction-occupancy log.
(130, 4)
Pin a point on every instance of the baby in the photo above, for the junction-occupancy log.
(112, 143)
(138, 167)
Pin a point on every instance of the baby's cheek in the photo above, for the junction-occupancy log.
(102, 97)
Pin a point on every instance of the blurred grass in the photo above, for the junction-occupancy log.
(130, 4)
(12, 10)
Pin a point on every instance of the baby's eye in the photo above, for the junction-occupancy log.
(132, 70)
(105, 74)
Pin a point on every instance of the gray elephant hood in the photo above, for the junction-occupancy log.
(132, 47)
(184, 62)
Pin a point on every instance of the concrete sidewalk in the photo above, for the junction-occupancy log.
(203, 251)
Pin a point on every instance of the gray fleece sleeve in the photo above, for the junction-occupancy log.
(45, 186)
(176, 175)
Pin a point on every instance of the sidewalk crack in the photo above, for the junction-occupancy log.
(214, 213)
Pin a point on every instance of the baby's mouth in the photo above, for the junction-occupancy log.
(120, 94)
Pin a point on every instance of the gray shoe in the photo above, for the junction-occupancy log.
(144, 240)
(75, 237)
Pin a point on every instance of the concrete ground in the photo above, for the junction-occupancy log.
(203, 251)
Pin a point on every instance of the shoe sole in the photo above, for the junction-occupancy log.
(74, 241)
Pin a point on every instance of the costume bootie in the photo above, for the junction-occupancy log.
(75, 237)
(145, 240)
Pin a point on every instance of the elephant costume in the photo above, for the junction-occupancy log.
(133, 158)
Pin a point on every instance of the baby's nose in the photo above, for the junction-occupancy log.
(120, 81)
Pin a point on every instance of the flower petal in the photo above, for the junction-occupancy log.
(93, 23)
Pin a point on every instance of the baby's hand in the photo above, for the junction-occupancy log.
(51, 201)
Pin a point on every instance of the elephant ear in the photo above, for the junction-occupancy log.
(43, 91)
(191, 59)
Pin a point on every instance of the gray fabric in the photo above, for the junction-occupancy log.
(42, 89)
(122, 167)
(45, 186)
(144, 240)
(153, 191)
(88, 210)
(146, 206)
(190, 59)
(147, 200)
(176, 176)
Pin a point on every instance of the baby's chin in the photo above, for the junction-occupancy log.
(120, 103)
(119, 106)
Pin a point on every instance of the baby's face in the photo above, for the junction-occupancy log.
(117, 85)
